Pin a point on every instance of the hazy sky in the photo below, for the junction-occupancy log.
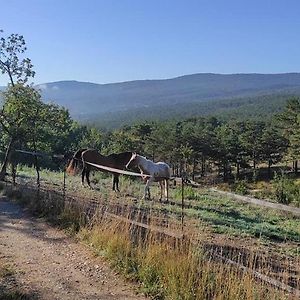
(110, 41)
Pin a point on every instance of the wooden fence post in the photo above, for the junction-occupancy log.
(182, 204)
(64, 185)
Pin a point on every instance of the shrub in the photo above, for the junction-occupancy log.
(240, 187)
(285, 190)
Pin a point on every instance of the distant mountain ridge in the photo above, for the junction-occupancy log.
(84, 98)
(87, 100)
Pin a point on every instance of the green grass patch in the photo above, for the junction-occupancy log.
(219, 213)
(163, 270)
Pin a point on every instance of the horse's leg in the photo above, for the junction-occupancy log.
(167, 189)
(161, 190)
(147, 188)
(114, 182)
(87, 176)
(82, 176)
(117, 182)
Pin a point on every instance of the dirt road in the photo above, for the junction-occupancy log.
(49, 265)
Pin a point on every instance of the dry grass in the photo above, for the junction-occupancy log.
(165, 268)
(168, 270)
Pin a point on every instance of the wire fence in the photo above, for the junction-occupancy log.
(147, 217)
(142, 219)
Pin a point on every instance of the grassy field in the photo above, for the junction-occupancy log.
(254, 235)
(218, 214)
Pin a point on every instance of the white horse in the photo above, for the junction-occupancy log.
(152, 171)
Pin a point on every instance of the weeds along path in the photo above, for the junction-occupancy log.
(257, 237)
(47, 264)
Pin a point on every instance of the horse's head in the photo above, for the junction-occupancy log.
(132, 161)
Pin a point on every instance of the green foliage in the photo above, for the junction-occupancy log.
(290, 124)
(189, 193)
(285, 190)
(254, 108)
(31, 124)
(240, 187)
(12, 62)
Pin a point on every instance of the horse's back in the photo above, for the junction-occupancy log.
(92, 156)
(164, 169)
(119, 160)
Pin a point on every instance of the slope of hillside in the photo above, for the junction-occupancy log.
(115, 104)
(255, 108)
(88, 98)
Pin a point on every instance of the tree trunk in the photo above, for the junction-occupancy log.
(36, 163)
(225, 172)
(194, 168)
(202, 165)
(237, 170)
(37, 168)
(6, 159)
(269, 168)
(296, 166)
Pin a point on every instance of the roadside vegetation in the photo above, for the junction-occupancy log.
(221, 213)
(165, 268)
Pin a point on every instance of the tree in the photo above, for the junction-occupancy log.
(90, 137)
(19, 70)
(20, 107)
(273, 146)
(289, 120)
(12, 63)
(251, 141)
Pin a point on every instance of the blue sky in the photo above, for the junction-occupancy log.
(111, 41)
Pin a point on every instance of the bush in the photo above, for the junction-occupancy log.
(285, 190)
(240, 187)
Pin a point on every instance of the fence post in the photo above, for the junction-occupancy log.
(182, 204)
(64, 185)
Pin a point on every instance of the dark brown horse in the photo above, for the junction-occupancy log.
(82, 157)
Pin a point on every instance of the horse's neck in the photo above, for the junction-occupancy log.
(119, 159)
(143, 164)
(125, 157)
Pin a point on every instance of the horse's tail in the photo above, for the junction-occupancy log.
(72, 168)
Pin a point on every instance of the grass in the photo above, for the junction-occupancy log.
(165, 272)
(217, 214)
(228, 216)
(163, 269)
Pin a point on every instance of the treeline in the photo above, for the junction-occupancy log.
(246, 108)
(201, 145)
(195, 146)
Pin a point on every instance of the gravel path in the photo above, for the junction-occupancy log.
(50, 265)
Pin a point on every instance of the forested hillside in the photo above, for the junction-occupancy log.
(82, 98)
(253, 108)
(113, 105)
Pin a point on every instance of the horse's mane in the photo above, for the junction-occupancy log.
(145, 158)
